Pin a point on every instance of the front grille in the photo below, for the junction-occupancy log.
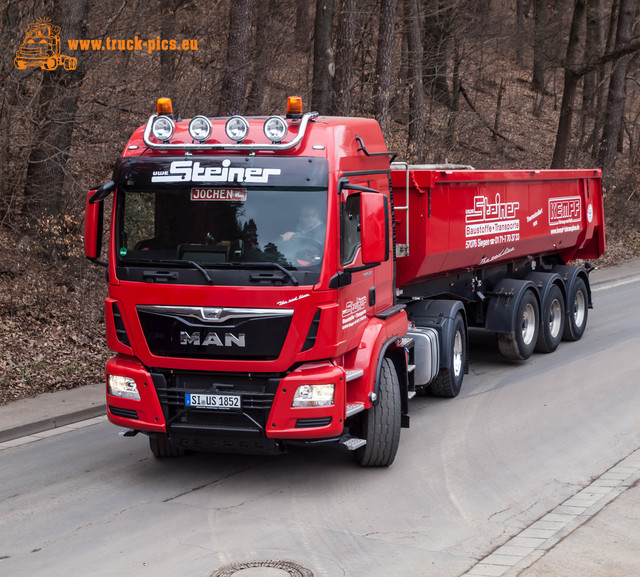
(256, 398)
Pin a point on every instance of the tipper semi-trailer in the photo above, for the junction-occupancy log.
(278, 281)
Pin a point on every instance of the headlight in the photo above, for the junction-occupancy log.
(237, 128)
(275, 129)
(162, 128)
(314, 396)
(200, 128)
(124, 387)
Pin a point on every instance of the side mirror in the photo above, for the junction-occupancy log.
(93, 217)
(374, 227)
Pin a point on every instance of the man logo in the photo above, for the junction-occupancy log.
(212, 338)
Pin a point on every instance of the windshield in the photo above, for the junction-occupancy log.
(222, 227)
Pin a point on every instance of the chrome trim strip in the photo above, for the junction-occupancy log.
(221, 146)
(214, 314)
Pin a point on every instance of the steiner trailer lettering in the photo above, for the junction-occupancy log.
(264, 292)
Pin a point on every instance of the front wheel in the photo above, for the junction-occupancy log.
(448, 382)
(519, 345)
(162, 447)
(577, 312)
(381, 423)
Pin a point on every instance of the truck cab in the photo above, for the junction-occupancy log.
(248, 285)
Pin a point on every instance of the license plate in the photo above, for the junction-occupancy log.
(198, 401)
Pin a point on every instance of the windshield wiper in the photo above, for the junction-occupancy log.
(176, 262)
(258, 265)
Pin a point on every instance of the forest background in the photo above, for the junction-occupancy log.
(490, 83)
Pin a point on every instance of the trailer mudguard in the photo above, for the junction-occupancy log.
(439, 315)
(569, 274)
(504, 302)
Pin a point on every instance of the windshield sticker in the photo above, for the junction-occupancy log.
(193, 171)
(237, 194)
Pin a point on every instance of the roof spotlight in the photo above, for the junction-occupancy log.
(237, 128)
(275, 128)
(200, 128)
(162, 128)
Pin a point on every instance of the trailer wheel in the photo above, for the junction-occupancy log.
(552, 321)
(448, 382)
(381, 423)
(520, 344)
(162, 447)
(577, 312)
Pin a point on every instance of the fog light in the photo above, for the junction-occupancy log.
(237, 128)
(124, 387)
(275, 128)
(314, 396)
(162, 128)
(200, 128)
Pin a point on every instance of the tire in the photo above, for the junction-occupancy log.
(162, 447)
(577, 311)
(520, 345)
(552, 321)
(448, 382)
(380, 425)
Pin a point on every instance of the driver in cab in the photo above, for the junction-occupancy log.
(309, 226)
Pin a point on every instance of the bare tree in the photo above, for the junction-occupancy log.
(323, 63)
(539, 55)
(384, 62)
(617, 94)
(436, 42)
(345, 54)
(234, 83)
(260, 56)
(571, 78)
(57, 107)
(416, 90)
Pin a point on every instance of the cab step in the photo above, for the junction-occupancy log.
(352, 443)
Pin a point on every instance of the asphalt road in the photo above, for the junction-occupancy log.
(471, 473)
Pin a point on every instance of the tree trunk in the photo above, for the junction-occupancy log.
(234, 81)
(384, 63)
(323, 64)
(416, 90)
(345, 53)
(539, 57)
(519, 32)
(617, 93)
(435, 48)
(593, 50)
(261, 57)
(570, 85)
(168, 57)
(57, 107)
(602, 83)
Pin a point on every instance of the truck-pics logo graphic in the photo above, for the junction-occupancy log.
(491, 218)
(565, 210)
(41, 47)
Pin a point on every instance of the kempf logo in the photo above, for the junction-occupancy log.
(565, 210)
(41, 47)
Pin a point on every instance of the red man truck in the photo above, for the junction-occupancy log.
(280, 280)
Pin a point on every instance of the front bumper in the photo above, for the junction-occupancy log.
(266, 404)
